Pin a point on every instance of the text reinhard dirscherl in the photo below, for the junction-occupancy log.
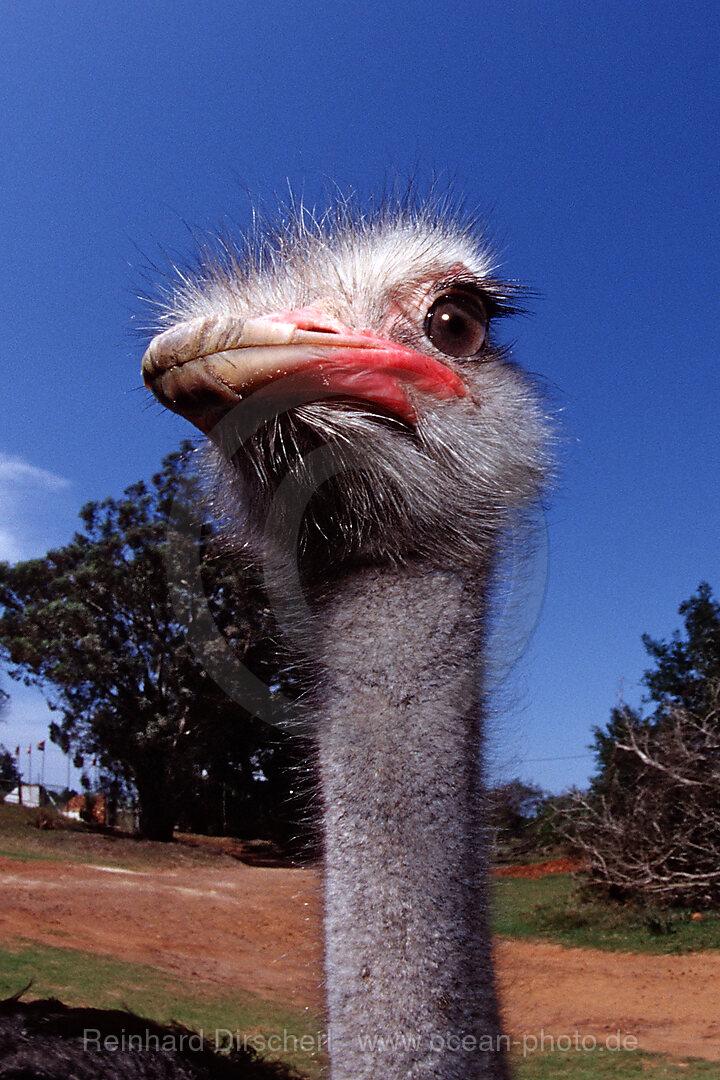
(224, 1041)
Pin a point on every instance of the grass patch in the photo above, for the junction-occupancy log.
(552, 909)
(601, 1065)
(70, 841)
(516, 901)
(78, 978)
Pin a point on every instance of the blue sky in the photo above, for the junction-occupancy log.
(588, 131)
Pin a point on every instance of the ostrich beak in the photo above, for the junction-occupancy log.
(204, 367)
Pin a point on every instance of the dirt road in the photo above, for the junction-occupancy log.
(258, 929)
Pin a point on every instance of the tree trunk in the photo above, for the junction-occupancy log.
(158, 807)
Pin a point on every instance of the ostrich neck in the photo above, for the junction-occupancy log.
(408, 967)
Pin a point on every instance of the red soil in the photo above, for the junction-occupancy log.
(565, 865)
(257, 928)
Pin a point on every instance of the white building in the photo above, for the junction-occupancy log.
(32, 795)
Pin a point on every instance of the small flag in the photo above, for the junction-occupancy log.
(29, 750)
(17, 751)
(41, 746)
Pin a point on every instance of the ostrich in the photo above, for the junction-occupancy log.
(403, 442)
(46, 1040)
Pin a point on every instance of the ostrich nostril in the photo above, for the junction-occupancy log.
(310, 318)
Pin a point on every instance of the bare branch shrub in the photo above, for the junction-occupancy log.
(652, 831)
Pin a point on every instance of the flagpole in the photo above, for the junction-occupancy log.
(19, 772)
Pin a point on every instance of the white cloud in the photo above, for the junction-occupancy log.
(18, 473)
(30, 505)
(10, 549)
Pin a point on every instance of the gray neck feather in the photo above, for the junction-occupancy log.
(409, 977)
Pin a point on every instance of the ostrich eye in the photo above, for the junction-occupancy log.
(457, 323)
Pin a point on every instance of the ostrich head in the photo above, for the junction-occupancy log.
(374, 336)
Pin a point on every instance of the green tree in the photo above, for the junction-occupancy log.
(9, 775)
(613, 770)
(686, 670)
(93, 625)
(687, 666)
(512, 806)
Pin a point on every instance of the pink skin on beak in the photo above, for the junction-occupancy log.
(187, 365)
(372, 369)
